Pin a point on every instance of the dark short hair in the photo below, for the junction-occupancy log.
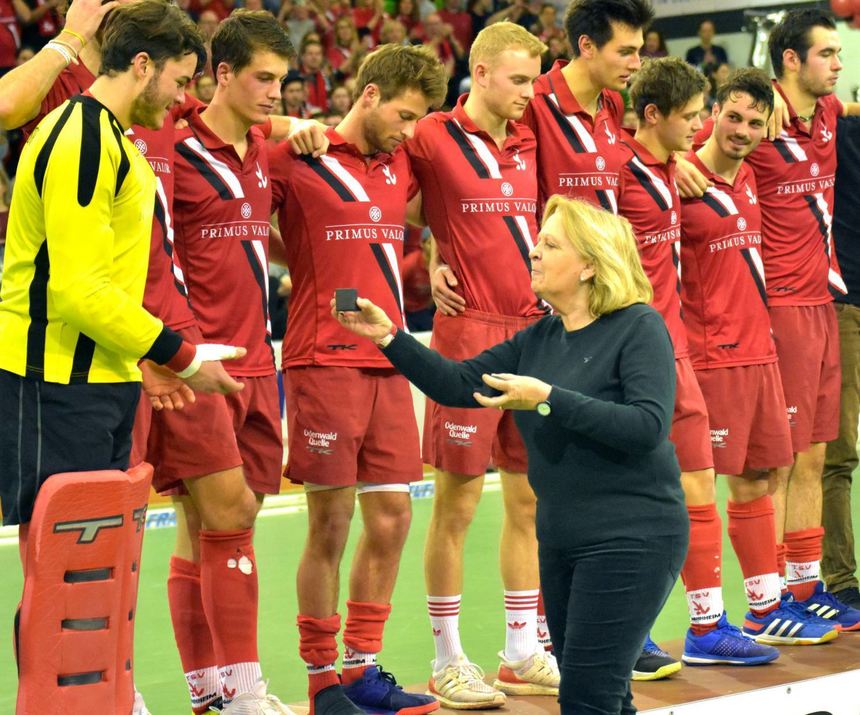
(245, 32)
(751, 81)
(398, 68)
(157, 27)
(595, 17)
(795, 33)
(667, 82)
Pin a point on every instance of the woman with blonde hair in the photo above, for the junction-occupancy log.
(594, 387)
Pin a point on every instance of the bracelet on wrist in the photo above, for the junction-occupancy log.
(79, 37)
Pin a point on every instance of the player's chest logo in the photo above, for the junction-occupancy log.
(814, 169)
(390, 176)
(521, 163)
(262, 179)
(140, 145)
(742, 223)
(753, 199)
(507, 189)
(375, 214)
(609, 134)
(826, 134)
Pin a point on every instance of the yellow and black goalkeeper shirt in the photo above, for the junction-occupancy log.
(77, 250)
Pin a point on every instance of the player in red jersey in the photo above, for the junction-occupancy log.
(733, 353)
(476, 169)
(349, 413)
(222, 206)
(577, 110)
(667, 96)
(795, 175)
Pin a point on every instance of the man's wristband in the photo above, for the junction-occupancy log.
(184, 359)
(191, 369)
(386, 339)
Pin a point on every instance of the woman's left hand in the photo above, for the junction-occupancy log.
(519, 392)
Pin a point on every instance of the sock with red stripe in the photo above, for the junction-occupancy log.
(318, 649)
(229, 591)
(751, 529)
(702, 569)
(445, 621)
(191, 631)
(362, 637)
(803, 550)
(542, 628)
(521, 624)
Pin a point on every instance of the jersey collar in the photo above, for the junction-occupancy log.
(645, 156)
(513, 140)
(793, 117)
(339, 144)
(716, 178)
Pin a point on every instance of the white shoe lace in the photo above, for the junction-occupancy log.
(467, 676)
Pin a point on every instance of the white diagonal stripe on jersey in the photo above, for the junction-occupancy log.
(658, 183)
(833, 276)
(391, 255)
(792, 145)
(341, 172)
(260, 252)
(523, 225)
(757, 262)
(613, 201)
(168, 224)
(676, 246)
(724, 199)
(581, 131)
(483, 152)
(218, 166)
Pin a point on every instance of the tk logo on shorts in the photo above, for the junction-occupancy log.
(507, 189)
(140, 145)
(246, 210)
(742, 223)
(600, 163)
(375, 214)
(814, 169)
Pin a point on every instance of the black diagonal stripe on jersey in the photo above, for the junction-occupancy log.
(467, 149)
(756, 276)
(646, 183)
(329, 177)
(676, 261)
(262, 281)
(712, 202)
(819, 217)
(91, 151)
(41, 165)
(165, 243)
(379, 254)
(124, 163)
(82, 360)
(215, 181)
(784, 151)
(38, 314)
(565, 127)
(603, 198)
(520, 240)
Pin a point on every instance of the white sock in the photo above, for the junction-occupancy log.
(705, 606)
(797, 572)
(238, 678)
(762, 592)
(445, 621)
(521, 624)
(204, 686)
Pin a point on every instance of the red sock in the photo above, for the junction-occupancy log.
(318, 649)
(701, 572)
(191, 631)
(362, 637)
(753, 535)
(802, 560)
(229, 589)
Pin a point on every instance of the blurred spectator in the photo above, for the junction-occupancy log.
(440, 38)
(313, 69)
(393, 33)
(706, 55)
(332, 119)
(204, 88)
(655, 45)
(294, 96)
(406, 12)
(547, 25)
(368, 14)
(25, 54)
(460, 21)
(207, 23)
(425, 8)
(13, 14)
(221, 8)
(43, 24)
(340, 101)
(417, 299)
(517, 11)
(344, 43)
(298, 21)
(630, 120)
(557, 49)
(480, 11)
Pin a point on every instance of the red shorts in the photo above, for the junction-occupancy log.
(690, 433)
(807, 342)
(746, 410)
(463, 440)
(349, 425)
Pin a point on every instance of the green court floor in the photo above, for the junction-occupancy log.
(408, 643)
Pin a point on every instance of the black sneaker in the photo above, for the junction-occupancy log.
(849, 596)
(333, 701)
(654, 663)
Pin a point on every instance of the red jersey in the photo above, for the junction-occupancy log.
(342, 219)
(222, 235)
(578, 155)
(795, 176)
(723, 283)
(10, 34)
(165, 295)
(649, 200)
(480, 203)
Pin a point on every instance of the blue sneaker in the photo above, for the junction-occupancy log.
(725, 645)
(654, 663)
(825, 605)
(377, 692)
(789, 624)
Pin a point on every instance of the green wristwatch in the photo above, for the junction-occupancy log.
(544, 408)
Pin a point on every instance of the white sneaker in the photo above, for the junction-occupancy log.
(139, 706)
(536, 675)
(461, 686)
(257, 702)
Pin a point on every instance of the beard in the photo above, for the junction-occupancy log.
(815, 88)
(148, 109)
(375, 134)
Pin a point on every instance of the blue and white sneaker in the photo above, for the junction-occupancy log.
(825, 605)
(726, 645)
(377, 692)
(789, 624)
(654, 663)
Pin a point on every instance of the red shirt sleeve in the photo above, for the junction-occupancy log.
(281, 160)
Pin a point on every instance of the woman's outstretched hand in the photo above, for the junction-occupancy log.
(519, 392)
(370, 321)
